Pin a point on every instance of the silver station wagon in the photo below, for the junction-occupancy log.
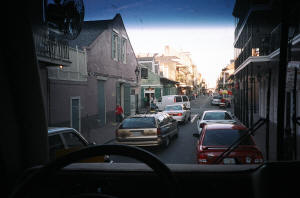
(147, 130)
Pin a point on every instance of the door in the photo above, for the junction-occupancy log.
(127, 100)
(101, 103)
(75, 113)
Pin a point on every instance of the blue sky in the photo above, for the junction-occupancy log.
(176, 13)
(204, 28)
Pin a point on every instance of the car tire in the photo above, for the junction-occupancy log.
(166, 142)
(176, 134)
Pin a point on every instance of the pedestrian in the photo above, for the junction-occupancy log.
(119, 113)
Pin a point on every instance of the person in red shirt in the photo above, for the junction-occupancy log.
(119, 113)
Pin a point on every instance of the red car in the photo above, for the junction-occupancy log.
(216, 138)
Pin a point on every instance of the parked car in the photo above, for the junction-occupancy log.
(171, 100)
(214, 116)
(64, 140)
(147, 130)
(216, 100)
(179, 112)
(216, 138)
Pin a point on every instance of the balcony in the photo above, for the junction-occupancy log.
(50, 50)
(259, 45)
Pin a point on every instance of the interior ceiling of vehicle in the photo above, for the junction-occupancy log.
(24, 140)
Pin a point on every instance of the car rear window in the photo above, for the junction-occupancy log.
(225, 137)
(170, 108)
(217, 116)
(137, 123)
(178, 99)
(185, 99)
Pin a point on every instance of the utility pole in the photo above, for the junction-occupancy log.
(282, 70)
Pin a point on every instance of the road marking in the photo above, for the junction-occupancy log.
(193, 119)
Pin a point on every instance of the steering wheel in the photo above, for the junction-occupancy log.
(39, 178)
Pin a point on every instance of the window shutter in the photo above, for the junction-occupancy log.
(157, 93)
(127, 99)
(119, 49)
(113, 47)
(118, 93)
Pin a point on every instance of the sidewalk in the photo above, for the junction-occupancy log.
(103, 135)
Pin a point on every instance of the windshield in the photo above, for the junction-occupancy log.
(225, 137)
(136, 123)
(128, 60)
(216, 116)
(170, 108)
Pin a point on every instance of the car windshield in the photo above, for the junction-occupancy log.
(170, 108)
(119, 62)
(216, 116)
(225, 137)
(137, 123)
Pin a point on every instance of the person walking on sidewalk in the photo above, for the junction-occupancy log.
(119, 113)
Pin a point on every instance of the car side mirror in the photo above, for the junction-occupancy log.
(196, 135)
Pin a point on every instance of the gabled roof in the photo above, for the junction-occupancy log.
(89, 32)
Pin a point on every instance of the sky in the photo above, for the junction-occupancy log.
(205, 28)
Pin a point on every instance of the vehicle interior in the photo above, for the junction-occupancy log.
(27, 172)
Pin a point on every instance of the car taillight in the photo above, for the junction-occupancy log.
(158, 131)
(179, 114)
(202, 159)
(174, 100)
(258, 159)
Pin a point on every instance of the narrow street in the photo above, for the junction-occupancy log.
(182, 150)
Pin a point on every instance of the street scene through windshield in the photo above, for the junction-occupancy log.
(193, 82)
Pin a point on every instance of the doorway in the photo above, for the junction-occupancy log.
(75, 113)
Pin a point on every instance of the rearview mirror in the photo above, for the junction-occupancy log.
(196, 135)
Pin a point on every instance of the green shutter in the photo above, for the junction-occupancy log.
(142, 97)
(127, 99)
(119, 48)
(112, 45)
(118, 93)
(157, 93)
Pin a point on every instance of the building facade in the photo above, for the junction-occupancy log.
(261, 90)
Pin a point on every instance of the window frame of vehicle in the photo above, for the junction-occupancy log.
(226, 113)
(187, 99)
(85, 143)
(178, 97)
(53, 150)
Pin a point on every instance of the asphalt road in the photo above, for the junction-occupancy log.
(182, 150)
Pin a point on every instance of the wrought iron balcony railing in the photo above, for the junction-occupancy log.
(51, 48)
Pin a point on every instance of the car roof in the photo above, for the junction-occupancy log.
(175, 105)
(215, 111)
(147, 115)
(225, 126)
(58, 129)
(173, 95)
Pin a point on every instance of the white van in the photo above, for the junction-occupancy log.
(171, 100)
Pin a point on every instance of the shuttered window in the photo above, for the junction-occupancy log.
(123, 50)
(114, 46)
